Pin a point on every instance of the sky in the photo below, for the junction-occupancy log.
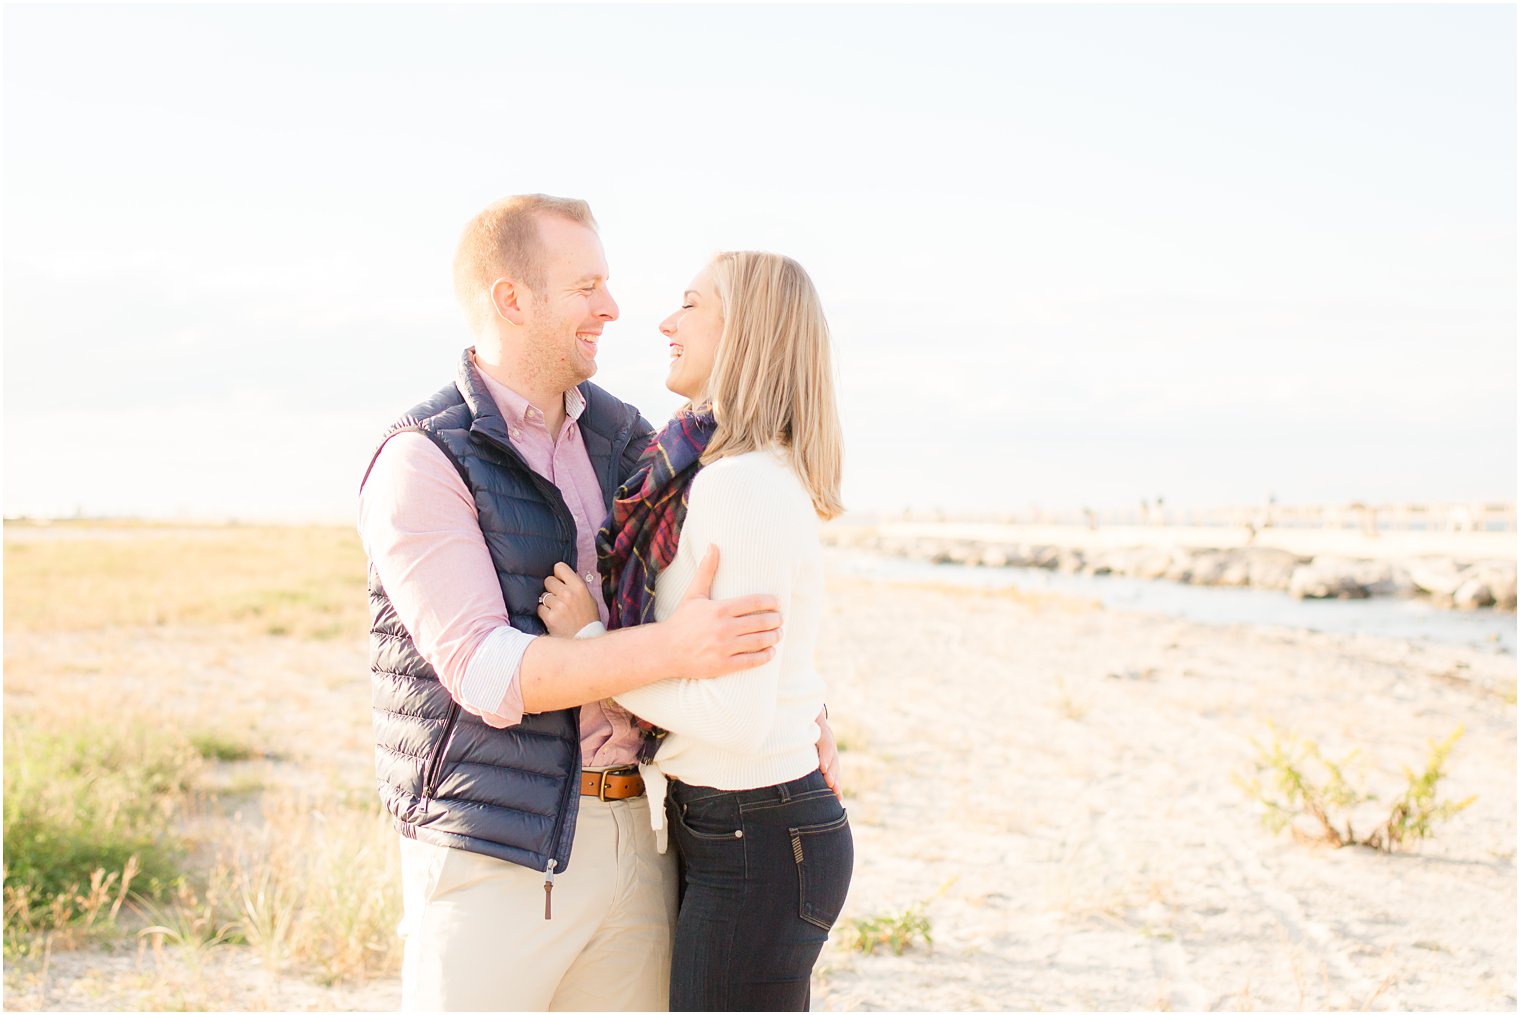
(1071, 255)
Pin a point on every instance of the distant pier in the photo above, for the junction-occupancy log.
(1457, 554)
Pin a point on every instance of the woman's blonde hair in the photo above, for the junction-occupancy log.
(773, 376)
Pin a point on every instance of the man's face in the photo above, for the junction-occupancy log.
(564, 317)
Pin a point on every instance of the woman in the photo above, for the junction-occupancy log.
(749, 467)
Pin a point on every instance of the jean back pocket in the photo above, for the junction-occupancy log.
(825, 857)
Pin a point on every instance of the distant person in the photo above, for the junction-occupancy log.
(497, 751)
(750, 466)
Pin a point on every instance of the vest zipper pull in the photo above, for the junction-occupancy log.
(549, 889)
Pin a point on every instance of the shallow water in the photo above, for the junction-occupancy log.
(1410, 619)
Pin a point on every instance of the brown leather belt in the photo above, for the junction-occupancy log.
(615, 784)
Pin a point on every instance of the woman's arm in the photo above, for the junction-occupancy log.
(701, 638)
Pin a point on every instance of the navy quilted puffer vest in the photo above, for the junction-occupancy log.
(445, 776)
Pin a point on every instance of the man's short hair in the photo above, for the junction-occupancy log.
(503, 241)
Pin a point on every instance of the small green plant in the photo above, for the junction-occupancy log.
(1294, 779)
(1413, 816)
(218, 746)
(896, 930)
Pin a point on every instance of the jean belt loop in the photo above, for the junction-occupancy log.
(784, 793)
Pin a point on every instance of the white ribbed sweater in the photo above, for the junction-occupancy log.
(758, 727)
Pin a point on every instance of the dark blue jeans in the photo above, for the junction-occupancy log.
(764, 873)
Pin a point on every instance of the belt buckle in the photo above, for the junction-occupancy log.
(601, 790)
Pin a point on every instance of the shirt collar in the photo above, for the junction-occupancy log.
(517, 409)
(575, 403)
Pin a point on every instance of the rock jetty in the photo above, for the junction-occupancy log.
(1458, 584)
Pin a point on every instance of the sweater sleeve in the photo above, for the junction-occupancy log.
(755, 524)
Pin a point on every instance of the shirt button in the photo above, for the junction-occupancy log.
(516, 431)
(590, 578)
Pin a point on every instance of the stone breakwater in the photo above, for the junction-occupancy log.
(1445, 581)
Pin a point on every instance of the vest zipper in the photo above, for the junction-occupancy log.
(435, 765)
(566, 523)
(619, 443)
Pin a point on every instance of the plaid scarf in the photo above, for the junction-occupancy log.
(640, 538)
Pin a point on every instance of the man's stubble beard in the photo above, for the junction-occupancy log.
(556, 358)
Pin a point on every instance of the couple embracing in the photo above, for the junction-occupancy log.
(613, 776)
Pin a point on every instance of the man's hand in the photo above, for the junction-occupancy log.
(828, 755)
(702, 638)
(707, 638)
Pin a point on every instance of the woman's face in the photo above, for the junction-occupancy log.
(694, 331)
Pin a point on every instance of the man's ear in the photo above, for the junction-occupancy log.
(506, 294)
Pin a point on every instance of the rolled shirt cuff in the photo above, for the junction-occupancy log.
(492, 685)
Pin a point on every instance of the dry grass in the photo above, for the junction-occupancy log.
(303, 582)
(315, 885)
(145, 829)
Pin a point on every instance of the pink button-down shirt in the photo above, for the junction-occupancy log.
(421, 530)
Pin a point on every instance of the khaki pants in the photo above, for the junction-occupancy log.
(476, 938)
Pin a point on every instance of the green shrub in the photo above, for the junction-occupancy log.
(89, 809)
(1295, 780)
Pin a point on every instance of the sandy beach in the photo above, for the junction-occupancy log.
(1050, 782)
(1056, 781)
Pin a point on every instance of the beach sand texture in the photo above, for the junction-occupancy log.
(1056, 781)
(1052, 781)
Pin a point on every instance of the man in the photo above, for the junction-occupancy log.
(497, 751)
